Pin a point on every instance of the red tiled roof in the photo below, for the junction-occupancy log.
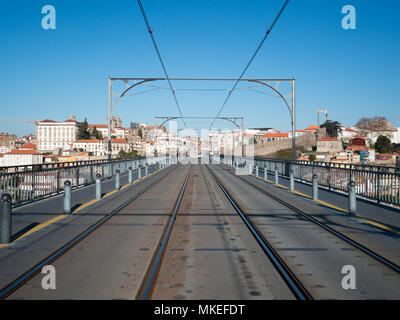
(48, 120)
(276, 135)
(313, 128)
(1, 155)
(356, 148)
(249, 134)
(327, 139)
(98, 126)
(118, 141)
(69, 120)
(350, 130)
(28, 145)
(18, 151)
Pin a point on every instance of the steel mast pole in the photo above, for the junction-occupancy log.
(109, 118)
(293, 120)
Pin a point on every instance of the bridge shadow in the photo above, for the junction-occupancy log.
(24, 230)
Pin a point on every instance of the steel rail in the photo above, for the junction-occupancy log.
(289, 277)
(336, 233)
(146, 289)
(25, 277)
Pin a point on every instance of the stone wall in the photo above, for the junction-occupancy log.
(264, 148)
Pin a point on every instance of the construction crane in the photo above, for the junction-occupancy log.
(322, 111)
(18, 120)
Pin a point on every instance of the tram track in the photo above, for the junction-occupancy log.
(291, 280)
(393, 266)
(22, 279)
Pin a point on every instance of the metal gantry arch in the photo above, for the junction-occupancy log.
(265, 82)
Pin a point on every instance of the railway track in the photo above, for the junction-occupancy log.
(149, 281)
(294, 284)
(322, 225)
(18, 282)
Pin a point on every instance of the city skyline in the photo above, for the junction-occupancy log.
(52, 73)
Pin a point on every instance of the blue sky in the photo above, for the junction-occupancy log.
(50, 74)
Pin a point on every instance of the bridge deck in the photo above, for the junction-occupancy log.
(210, 253)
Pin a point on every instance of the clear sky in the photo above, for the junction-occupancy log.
(52, 73)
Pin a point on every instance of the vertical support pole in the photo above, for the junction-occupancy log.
(67, 197)
(98, 186)
(117, 180)
(5, 220)
(265, 174)
(139, 170)
(146, 170)
(130, 175)
(315, 187)
(109, 119)
(293, 119)
(250, 169)
(352, 198)
(257, 171)
(291, 180)
(276, 175)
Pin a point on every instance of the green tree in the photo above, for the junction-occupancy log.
(312, 157)
(83, 131)
(383, 145)
(332, 128)
(96, 134)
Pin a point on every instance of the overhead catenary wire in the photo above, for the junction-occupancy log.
(159, 57)
(251, 60)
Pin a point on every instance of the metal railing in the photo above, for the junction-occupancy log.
(378, 183)
(31, 185)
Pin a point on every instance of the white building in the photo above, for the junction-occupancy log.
(99, 147)
(20, 157)
(102, 128)
(4, 149)
(52, 135)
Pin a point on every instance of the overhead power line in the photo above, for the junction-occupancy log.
(251, 60)
(159, 57)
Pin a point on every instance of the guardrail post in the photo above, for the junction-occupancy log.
(257, 171)
(315, 187)
(67, 197)
(117, 180)
(5, 221)
(276, 176)
(146, 170)
(291, 180)
(130, 175)
(352, 198)
(250, 169)
(265, 174)
(98, 186)
(139, 170)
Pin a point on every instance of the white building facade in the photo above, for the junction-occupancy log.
(52, 135)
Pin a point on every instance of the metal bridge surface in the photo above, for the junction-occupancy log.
(202, 232)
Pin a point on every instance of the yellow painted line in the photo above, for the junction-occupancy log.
(373, 223)
(83, 206)
(127, 185)
(332, 206)
(60, 217)
(110, 193)
(42, 225)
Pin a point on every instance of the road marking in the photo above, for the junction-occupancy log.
(366, 220)
(60, 217)
(42, 225)
(83, 206)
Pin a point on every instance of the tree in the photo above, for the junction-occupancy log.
(312, 157)
(383, 144)
(96, 134)
(332, 128)
(376, 123)
(83, 131)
